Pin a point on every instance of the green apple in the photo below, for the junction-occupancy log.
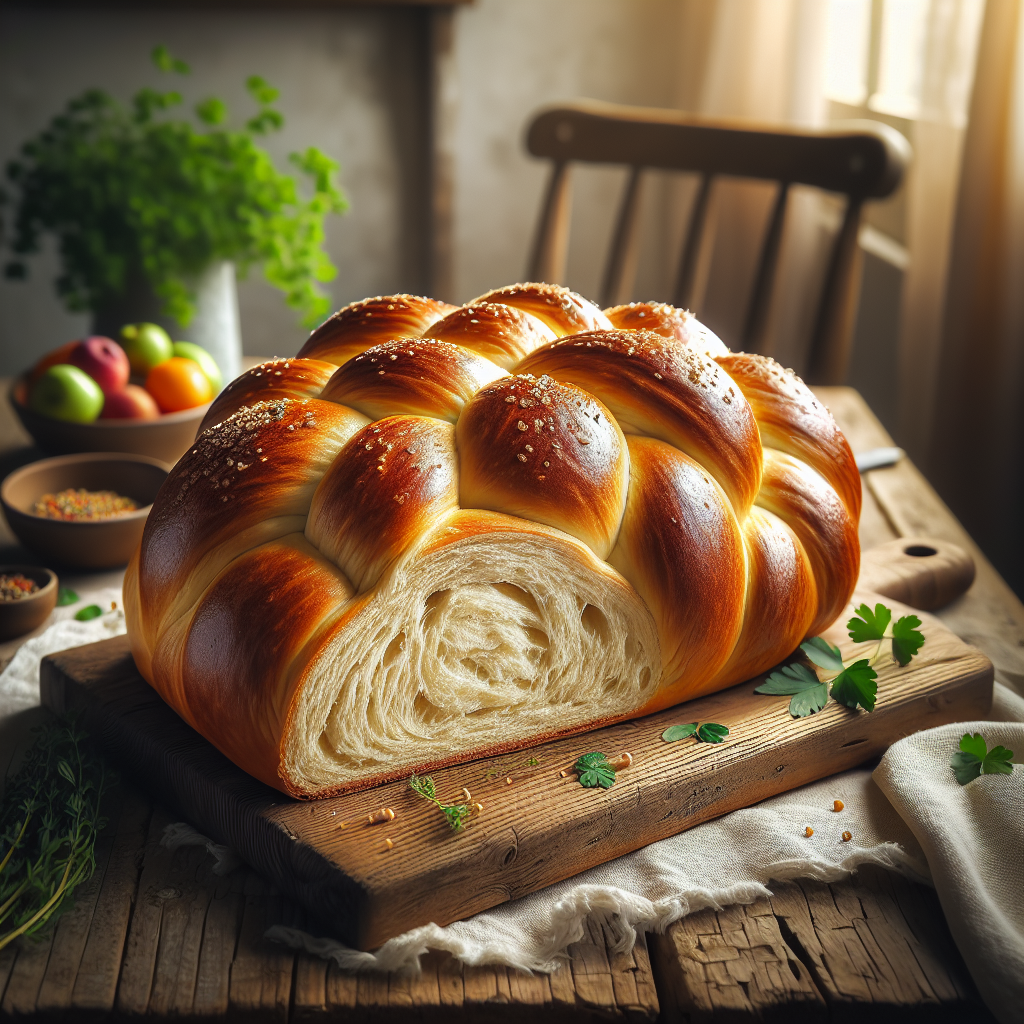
(147, 345)
(206, 362)
(65, 392)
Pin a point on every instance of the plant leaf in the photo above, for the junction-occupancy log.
(906, 638)
(868, 624)
(998, 761)
(711, 732)
(966, 767)
(823, 654)
(809, 701)
(789, 679)
(66, 596)
(591, 760)
(90, 611)
(602, 775)
(856, 685)
(974, 744)
(679, 732)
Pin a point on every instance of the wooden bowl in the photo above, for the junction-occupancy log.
(22, 616)
(102, 544)
(166, 438)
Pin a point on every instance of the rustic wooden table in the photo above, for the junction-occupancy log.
(158, 934)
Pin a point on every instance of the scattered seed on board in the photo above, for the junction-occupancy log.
(380, 815)
(390, 845)
(808, 831)
(508, 780)
(847, 837)
(837, 805)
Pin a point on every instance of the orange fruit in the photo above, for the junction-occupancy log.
(178, 384)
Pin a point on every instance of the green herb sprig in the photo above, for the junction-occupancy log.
(131, 191)
(49, 820)
(854, 684)
(455, 814)
(703, 732)
(594, 770)
(974, 759)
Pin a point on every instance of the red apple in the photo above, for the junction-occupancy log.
(104, 360)
(131, 403)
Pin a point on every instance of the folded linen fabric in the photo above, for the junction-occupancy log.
(973, 839)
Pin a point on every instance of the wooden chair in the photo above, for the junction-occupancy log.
(861, 159)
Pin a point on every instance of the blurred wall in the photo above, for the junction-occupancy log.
(352, 82)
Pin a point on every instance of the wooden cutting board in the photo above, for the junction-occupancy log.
(538, 826)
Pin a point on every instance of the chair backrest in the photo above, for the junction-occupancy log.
(860, 159)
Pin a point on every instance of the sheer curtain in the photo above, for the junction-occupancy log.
(764, 60)
(976, 454)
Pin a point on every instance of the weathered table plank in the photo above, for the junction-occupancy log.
(812, 951)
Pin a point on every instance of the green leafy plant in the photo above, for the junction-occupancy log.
(704, 732)
(854, 684)
(594, 770)
(974, 759)
(49, 820)
(131, 190)
(66, 596)
(455, 814)
(90, 611)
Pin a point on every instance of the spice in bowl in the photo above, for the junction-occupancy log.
(16, 586)
(80, 505)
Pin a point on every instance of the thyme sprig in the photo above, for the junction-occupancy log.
(49, 820)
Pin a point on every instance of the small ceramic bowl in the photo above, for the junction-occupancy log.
(101, 544)
(22, 616)
(166, 438)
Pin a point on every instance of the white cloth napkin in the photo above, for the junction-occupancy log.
(910, 815)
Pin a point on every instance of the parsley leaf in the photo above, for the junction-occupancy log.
(711, 732)
(809, 694)
(856, 685)
(793, 678)
(868, 624)
(679, 732)
(66, 596)
(90, 611)
(906, 638)
(823, 654)
(809, 701)
(594, 770)
(974, 758)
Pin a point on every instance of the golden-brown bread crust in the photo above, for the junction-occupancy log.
(276, 378)
(393, 477)
(824, 525)
(669, 322)
(415, 376)
(682, 549)
(790, 418)
(658, 388)
(535, 519)
(357, 326)
(495, 331)
(544, 451)
(563, 311)
(251, 626)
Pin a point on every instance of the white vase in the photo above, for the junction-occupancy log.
(214, 326)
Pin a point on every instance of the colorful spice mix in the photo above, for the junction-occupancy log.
(80, 504)
(16, 586)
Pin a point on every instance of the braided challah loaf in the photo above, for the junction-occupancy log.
(444, 532)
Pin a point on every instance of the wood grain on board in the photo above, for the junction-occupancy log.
(367, 883)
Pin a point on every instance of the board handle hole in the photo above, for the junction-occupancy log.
(919, 551)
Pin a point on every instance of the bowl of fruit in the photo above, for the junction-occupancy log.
(142, 394)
